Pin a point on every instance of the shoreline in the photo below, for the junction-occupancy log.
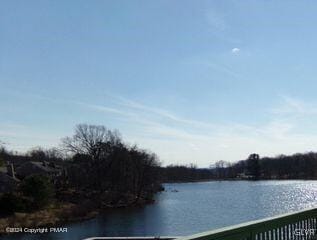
(58, 214)
(235, 179)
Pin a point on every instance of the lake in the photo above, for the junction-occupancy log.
(187, 208)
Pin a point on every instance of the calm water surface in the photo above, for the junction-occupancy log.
(195, 207)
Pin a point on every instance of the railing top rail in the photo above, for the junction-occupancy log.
(255, 226)
(134, 238)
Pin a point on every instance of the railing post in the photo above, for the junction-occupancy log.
(251, 236)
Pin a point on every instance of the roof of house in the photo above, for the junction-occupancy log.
(30, 168)
(44, 166)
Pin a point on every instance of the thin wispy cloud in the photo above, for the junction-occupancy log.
(276, 136)
(214, 65)
(210, 137)
(162, 113)
(102, 108)
(177, 139)
(291, 105)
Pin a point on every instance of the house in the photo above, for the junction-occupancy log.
(8, 181)
(42, 168)
(245, 176)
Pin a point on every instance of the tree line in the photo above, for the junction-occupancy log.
(295, 166)
(254, 167)
(185, 173)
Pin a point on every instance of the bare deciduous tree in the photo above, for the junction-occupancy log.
(90, 140)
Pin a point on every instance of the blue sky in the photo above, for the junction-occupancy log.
(193, 81)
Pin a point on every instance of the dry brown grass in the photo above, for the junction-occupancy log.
(53, 215)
